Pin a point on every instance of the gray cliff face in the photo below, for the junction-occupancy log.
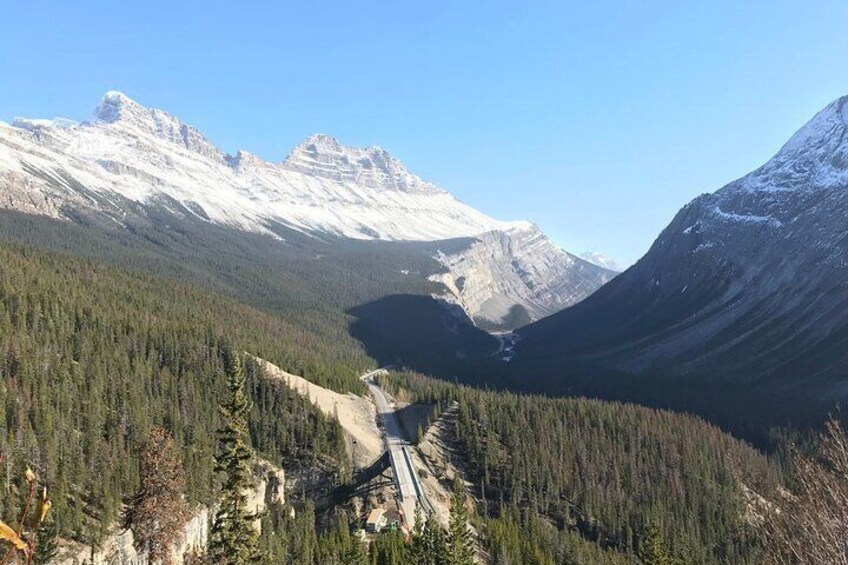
(517, 267)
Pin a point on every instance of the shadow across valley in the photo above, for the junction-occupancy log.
(421, 333)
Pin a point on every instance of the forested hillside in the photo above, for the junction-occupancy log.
(551, 471)
(92, 357)
(322, 285)
(95, 352)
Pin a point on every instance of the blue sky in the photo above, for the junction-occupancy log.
(597, 120)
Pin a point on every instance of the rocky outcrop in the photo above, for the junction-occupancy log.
(117, 548)
(356, 415)
(510, 277)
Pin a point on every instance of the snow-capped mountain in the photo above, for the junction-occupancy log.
(601, 260)
(746, 285)
(128, 152)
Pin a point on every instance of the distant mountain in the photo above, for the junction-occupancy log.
(741, 303)
(517, 275)
(601, 260)
(132, 154)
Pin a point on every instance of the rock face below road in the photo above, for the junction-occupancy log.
(117, 548)
(435, 455)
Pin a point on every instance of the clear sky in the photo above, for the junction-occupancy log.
(597, 120)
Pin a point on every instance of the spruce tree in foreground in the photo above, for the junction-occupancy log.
(235, 541)
(48, 543)
(429, 543)
(460, 544)
(415, 549)
(158, 511)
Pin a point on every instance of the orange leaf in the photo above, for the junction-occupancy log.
(8, 534)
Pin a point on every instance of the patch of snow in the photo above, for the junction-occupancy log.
(745, 218)
(37, 124)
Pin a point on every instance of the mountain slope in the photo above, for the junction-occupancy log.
(510, 277)
(130, 153)
(746, 290)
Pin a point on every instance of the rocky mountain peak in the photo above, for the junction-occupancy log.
(745, 287)
(115, 106)
(815, 157)
(601, 260)
(119, 110)
(243, 159)
(323, 156)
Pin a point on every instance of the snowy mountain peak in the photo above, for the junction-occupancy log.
(243, 159)
(321, 142)
(116, 105)
(323, 156)
(830, 120)
(816, 157)
(119, 110)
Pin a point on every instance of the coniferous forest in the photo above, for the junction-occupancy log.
(95, 354)
(587, 481)
(96, 359)
(92, 358)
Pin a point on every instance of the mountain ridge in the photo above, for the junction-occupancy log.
(129, 151)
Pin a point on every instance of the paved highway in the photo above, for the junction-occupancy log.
(410, 492)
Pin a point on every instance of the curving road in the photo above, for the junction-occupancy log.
(408, 486)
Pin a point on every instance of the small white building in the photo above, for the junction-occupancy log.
(376, 521)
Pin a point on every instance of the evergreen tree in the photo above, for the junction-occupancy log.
(415, 549)
(460, 543)
(429, 544)
(235, 540)
(158, 511)
(338, 547)
(388, 549)
(47, 543)
(652, 547)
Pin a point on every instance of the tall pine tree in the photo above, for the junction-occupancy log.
(47, 546)
(235, 540)
(460, 543)
(429, 543)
